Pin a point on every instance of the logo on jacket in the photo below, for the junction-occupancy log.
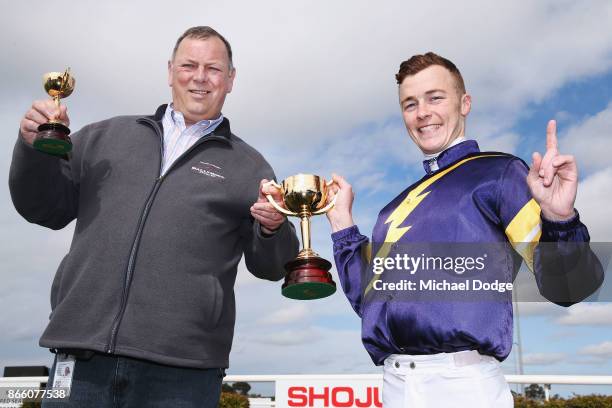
(207, 169)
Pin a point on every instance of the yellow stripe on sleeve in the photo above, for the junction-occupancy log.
(524, 231)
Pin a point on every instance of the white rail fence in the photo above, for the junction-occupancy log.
(345, 382)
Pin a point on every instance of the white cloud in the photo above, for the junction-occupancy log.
(592, 362)
(598, 351)
(295, 313)
(587, 314)
(539, 309)
(288, 337)
(593, 202)
(544, 358)
(589, 141)
(506, 142)
(321, 68)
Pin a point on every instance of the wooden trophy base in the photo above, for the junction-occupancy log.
(308, 278)
(53, 139)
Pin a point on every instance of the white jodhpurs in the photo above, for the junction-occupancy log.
(459, 380)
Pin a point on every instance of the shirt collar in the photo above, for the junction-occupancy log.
(177, 119)
(450, 155)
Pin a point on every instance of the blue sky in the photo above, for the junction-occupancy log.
(569, 105)
(315, 93)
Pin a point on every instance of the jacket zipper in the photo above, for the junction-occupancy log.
(130, 268)
(141, 222)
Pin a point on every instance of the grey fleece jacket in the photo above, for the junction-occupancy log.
(151, 269)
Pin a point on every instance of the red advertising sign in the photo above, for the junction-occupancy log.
(329, 393)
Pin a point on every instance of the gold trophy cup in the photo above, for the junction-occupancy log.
(53, 136)
(308, 274)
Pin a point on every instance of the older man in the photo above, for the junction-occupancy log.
(165, 205)
(438, 335)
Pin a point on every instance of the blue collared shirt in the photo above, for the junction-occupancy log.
(178, 138)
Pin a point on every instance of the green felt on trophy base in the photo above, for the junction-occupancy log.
(308, 290)
(53, 146)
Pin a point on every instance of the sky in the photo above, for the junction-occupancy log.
(315, 93)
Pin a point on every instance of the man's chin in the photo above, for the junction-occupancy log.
(200, 114)
(431, 148)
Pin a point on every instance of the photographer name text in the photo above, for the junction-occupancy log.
(443, 285)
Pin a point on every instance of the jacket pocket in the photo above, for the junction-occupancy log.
(210, 302)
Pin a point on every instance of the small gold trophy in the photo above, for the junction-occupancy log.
(53, 136)
(308, 274)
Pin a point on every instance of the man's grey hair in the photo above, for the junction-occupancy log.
(203, 33)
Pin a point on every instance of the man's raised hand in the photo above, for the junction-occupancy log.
(553, 179)
(42, 111)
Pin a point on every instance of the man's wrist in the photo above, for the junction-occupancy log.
(339, 225)
(267, 232)
(553, 217)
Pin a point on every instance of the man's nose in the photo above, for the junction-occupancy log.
(423, 111)
(200, 74)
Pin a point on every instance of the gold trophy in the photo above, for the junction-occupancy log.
(53, 136)
(308, 274)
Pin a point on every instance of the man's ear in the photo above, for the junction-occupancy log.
(466, 104)
(232, 76)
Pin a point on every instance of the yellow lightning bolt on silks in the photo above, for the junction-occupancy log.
(399, 215)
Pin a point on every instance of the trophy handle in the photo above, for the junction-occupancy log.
(274, 204)
(328, 206)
